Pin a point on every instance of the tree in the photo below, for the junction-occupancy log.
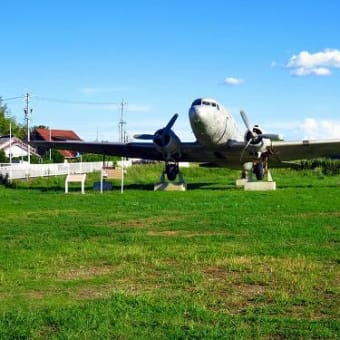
(3, 158)
(7, 121)
(3, 110)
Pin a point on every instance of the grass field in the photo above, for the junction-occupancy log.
(211, 262)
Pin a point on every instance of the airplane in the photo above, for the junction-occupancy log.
(219, 142)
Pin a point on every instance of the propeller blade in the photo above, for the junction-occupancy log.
(245, 148)
(271, 136)
(246, 121)
(171, 123)
(161, 135)
(144, 137)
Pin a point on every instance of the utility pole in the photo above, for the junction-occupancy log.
(50, 142)
(122, 123)
(28, 112)
(122, 139)
(10, 143)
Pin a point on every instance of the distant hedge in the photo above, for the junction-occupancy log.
(327, 166)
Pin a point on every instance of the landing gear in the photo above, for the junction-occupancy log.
(171, 172)
(259, 171)
(259, 167)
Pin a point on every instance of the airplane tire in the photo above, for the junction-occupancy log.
(258, 170)
(171, 171)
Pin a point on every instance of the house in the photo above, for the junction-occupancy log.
(56, 135)
(15, 147)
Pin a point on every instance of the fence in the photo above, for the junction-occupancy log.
(25, 170)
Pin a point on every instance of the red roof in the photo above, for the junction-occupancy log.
(57, 135)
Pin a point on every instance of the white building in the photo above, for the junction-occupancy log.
(15, 147)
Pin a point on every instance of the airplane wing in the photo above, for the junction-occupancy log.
(190, 152)
(132, 150)
(306, 149)
(227, 155)
(285, 153)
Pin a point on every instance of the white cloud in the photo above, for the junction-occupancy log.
(309, 128)
(312, 128)
(233, 81)
(319, 63)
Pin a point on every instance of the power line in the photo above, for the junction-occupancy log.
(12, 98)
(70, 101)
(62, 101)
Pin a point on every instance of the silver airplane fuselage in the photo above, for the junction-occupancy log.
(212, 124)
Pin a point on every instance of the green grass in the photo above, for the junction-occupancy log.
(211, 262)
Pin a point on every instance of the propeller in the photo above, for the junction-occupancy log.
(161, 136)
(171, 122)
(271, 136)
(143, 136)
(252, 130)
(245, 120)
(255, 137)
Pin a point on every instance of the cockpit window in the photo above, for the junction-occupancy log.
(205, 102)
(196, 102)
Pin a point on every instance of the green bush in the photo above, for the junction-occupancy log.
(327, 166)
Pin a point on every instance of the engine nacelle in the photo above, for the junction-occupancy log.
(254, 137)
(168, 144)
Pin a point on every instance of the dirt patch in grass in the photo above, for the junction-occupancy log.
(84, 273)
(250, 291)
(225, 280)
(93, 292)
(36, 294)
(129, 287)
(144, 222)
(184, 233)
(164, 233)
(208, 234)
(231, 295)
(46, 332)
(215, 273)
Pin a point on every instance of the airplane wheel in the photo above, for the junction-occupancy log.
(259, 172)
(171, 171)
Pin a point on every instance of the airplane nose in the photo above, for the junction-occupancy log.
(195, 114)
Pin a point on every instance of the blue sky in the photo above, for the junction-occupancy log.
(278, 60)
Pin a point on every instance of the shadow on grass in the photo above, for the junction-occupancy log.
(217, 186)
(305, 186)
(210, 186)
(190, 186)
(130, 186)
(134, 186)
